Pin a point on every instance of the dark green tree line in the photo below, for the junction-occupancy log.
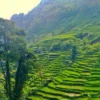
(14, 56)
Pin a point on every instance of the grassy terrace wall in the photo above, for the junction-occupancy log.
(78, 82)
(62, 79)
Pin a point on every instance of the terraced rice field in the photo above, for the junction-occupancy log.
(80, 81)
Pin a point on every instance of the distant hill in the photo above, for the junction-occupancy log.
(59, 16)
(7, 26)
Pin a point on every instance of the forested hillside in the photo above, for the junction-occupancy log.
(64, 36)
(59, 16)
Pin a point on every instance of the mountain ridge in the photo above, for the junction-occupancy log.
(58, 16)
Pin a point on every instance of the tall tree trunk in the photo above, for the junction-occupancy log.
(8, 81)
(19, 80)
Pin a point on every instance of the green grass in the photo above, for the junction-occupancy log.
(72, 81)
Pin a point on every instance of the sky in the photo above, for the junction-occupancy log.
(10, 7)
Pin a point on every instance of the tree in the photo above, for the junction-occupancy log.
(14, 56)
(74, 53)
(26, 60)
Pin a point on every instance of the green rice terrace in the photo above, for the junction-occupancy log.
(52, 52)
(67, 67)
(80, 81)
(62, 79)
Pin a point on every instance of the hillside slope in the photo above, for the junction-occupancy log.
(66, 35)
(59, 16)
(63, 79)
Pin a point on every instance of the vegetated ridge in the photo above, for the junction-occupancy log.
(65, 36)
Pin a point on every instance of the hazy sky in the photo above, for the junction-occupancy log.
(10, 7)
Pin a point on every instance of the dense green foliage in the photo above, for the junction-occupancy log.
(65, 37)
(74, 80)
(15, 60)
(59, 16)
